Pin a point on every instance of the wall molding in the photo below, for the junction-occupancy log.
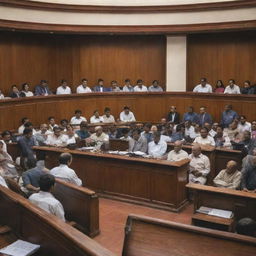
(144, 30)
(43, 6)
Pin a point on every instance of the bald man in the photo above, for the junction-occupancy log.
(177, 153)
(199, 166)
(229, 177)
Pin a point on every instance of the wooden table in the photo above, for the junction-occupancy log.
(242, 204)
(150, 182)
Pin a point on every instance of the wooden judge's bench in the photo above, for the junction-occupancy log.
(150, 182)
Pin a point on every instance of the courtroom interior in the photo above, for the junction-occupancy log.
(128, 127)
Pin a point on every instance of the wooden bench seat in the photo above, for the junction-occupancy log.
(146, 236)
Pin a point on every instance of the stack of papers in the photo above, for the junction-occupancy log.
(20, 248)
(216, 212)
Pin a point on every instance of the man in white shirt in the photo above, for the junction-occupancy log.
(140, 87)
(203, 87)
(107, 117)
(64, 172)
(22, 127)
(229, 177)
(204, 139)
(189, 131)
(42, 134)
(99, 137)
(44, 198)
(56, 139)
(199, 166)
(83, 88)
(127, 116)
(177, 154)
(127, 86)
(96, 118)
(77, 119)
(232, 88)
(157, 147)
(243, 125)
(213, 130)
(63, 88)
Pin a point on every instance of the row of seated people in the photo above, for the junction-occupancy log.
(43, 89)
(231, 88)
(38, 182)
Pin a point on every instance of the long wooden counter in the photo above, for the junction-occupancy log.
(146, 106)
(150, 182)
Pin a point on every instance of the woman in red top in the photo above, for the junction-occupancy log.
(219, 87)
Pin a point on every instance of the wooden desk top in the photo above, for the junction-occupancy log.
(226, 191)
(117, 157)
(212, 219)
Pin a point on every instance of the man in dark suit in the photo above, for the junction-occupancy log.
(173, 115)
(42, 89)
(15, 93)
(204, 117)
(100, 87)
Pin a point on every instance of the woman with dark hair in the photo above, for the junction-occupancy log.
(25, 91)
(220, 88)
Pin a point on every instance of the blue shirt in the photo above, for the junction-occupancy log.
(83, 134)
(32, 176)
(205, 118)
(193, 117)
(26, 144)
(228, 117)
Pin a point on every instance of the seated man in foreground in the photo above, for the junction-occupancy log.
(199, 166)
(138, 142)
(177, 153)
(157, 147)
(64, 172)
(44, 198)
(229, 177)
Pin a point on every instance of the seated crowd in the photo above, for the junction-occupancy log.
(196, 129)
(204, 87)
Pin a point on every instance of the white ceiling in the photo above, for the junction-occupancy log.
(131, 2)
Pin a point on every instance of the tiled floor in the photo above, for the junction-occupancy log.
(113, 215)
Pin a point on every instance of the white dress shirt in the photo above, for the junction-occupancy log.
(142, 89)
(206, 89)
(81, 89)
(157, 150)
(72, 139)
(75, 120)
(200, 164)
(94, 119)
(234, 90)
(65, 173)
(47, 202)
(62, 90)
(244, 127)
(102, 138)
(173, 156)
(127, 118)
(205, 141)
(21, 129)
(28, 93)
(60, 141)
(190, 132)
(109, 119)
(2, 182)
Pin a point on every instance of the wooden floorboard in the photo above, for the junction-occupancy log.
(113, 215)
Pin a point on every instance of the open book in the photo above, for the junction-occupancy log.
(20, 248)
(216, 212)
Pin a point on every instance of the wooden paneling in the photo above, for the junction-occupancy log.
(221, 56)
(148, 107)
(31, 57)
